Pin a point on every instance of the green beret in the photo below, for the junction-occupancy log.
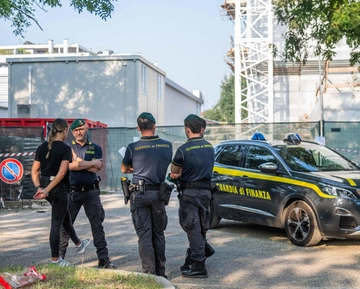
(148, 116)
(192, 117)
(76, 123)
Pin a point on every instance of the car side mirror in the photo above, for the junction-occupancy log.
(268, 167)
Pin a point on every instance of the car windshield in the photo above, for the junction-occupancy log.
(313, 158)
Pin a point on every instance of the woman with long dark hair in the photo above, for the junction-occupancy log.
(50, 175)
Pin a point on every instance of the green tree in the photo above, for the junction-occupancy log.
(224, 110)
(319, 25)
(21, 13)
(226, 104)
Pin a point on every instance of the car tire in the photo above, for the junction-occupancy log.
(214, 218)
(301, 225)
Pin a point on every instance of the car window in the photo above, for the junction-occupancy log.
(231, 155)
(258, 155)
(217, 149)
(314, 158)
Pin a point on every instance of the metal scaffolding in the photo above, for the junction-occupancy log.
(251, 58)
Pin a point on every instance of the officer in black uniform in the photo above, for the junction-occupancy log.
(84, 188)
(194, 160)
(209, 250)
(148, 160)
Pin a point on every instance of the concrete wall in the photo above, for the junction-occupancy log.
(178, 107)
(341, 103)
(338, 106)
(293, 96)
(149, 101)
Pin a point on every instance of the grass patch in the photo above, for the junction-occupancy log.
(85, 278)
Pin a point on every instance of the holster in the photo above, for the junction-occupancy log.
(214, 189)
(125, 183)
(165, 192)
(96, 183)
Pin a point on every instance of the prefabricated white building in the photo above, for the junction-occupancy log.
(112, 89)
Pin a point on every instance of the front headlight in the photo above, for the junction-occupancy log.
(336, 191)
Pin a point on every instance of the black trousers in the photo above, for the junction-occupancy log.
(194, 219)
(94, 211)
(150, 220)
(60, 218)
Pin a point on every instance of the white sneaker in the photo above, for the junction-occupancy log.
(84, 243)
(61, 262)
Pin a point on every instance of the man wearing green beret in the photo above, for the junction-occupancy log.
(193, 163)
(85, 191)
(148, 160)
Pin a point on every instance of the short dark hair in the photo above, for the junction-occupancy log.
(145, 124)
(203, 121)
(194, 124)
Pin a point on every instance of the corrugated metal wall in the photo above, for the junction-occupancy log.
(4, 86)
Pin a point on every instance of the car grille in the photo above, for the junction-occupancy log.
(347, 222)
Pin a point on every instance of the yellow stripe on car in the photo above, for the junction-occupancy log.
(351, 182)
(239, 173)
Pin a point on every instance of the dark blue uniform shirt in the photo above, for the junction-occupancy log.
(196, 157)
(87, 152)
(150, 157)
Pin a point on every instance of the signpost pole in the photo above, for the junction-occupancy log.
(11, 171)
(1, 197)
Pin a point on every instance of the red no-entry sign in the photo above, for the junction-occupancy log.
(11, 171)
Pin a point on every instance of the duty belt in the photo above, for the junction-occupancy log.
(205, 185)
(149, 187)
(83, 188)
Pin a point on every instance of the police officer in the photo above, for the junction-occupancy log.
(194, 160)
(209, 250)
(84, 187)
(148, 160)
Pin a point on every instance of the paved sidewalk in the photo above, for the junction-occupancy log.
(247, 256)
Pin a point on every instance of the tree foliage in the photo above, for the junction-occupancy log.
(319, 25)
(224, 110)
(21, 13)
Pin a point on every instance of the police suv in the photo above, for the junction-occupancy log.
(306, 188)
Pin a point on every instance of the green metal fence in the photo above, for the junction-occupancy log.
(343, 137)
(113, 139)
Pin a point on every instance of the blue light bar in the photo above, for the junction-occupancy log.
(258, 136)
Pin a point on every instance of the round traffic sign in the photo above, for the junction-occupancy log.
(11, 171)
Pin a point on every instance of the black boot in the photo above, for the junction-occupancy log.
(106, 264)
(188, 261)
(198, 270)
(209, 251)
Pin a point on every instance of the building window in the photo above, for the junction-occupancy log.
(143, 79)
(160, 86)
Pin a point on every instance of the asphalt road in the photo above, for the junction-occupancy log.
(247, 256)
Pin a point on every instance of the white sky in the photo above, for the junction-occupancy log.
(188, 38)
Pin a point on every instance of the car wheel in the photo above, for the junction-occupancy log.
(301, 225)
(214, 218)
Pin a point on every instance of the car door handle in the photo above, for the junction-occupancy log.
(227, 178)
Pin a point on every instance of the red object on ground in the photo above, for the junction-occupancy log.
(24, 278)
(4, 284)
